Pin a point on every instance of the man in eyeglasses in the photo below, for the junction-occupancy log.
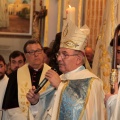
(77, 94)
(15, 103)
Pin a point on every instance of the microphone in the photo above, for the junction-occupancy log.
(42, 84)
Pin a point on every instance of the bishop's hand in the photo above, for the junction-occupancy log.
(32, 97)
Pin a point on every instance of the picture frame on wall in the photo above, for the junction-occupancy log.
(16, 17)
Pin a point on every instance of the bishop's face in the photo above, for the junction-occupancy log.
(2, 70)
(68, 60)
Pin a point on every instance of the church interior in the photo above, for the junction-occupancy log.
(86, 12)
(23, 21)
(44, 28)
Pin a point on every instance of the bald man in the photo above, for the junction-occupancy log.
(89, 52)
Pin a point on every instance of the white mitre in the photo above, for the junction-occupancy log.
(74, 37)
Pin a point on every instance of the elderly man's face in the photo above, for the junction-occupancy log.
(68, 60)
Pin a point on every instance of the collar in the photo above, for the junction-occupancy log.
(66, 75)
(32, 69)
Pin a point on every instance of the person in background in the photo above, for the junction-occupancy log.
(89, 52)
(16, 59)
(8, 69)
(3, 82)
(71, 95)
(118, 49)
(112, 101)
(15, 102)
(54, 50)
(47, 54)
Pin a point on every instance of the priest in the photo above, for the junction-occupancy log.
(77, 94)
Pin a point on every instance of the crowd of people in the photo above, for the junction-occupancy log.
(71, 93)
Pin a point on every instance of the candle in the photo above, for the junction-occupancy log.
(37, 5)
(44, 2)
(70, 13)
(64, 10)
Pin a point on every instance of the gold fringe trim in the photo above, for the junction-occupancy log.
(86, 100)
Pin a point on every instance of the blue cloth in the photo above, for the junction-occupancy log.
(73, 99)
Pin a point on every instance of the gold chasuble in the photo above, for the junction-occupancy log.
(24, 84)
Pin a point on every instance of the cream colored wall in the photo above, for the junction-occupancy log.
(10, 43)
(52, 13)
(52, 20)
(7, 45)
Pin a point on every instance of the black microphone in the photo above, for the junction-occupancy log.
(42, 83)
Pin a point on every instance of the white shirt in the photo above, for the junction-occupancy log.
(3, 85)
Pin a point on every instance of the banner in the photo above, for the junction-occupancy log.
(103, 57)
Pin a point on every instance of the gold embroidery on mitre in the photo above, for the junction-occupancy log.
(65, 32)
(71, 44)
